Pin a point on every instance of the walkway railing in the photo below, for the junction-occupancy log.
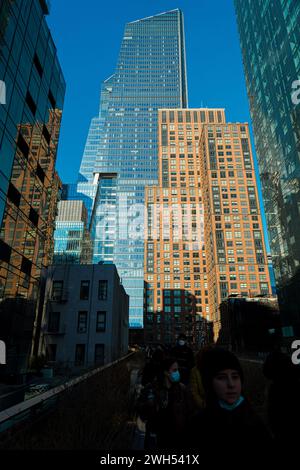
(33, 408)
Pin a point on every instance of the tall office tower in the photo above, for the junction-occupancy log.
(72, 244)
(120, 157)
(269, 36)
(204, 238)
(29, 128)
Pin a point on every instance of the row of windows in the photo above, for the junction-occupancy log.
(80, 353)
(54, 325)
(186, 116)
(58, 290)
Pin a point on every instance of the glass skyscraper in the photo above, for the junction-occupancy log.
(120, 155)
(71, 237)
(270, 41)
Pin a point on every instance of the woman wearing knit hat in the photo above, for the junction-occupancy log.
(228, 417)
(164, 406)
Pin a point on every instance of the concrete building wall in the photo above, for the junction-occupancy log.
(69, 301)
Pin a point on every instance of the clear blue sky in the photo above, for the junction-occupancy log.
(88, 36)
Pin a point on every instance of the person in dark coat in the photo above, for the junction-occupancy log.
(185, 357)
(283, 398)
(196, 388)
(228, 421)
(153, 366)
(164, 407)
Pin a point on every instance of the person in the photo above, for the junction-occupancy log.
(228, 419)
(152, 367)
(283, 398)
(196, 388)
(185, 357)
(164, 407)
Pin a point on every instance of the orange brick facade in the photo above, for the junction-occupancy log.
(204, 237)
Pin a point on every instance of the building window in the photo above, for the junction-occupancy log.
(26, 265)
(79, 354)
(53, 322)
(102, 290)
(33, 217)
(5, 251)
(51, 352)
(57, 289)
(101, 322)
(82, 322)
(14, 195)
(31, 103)
(211, 116)
(23, 146)
(84, 290)
(38, 65)
(99, 354)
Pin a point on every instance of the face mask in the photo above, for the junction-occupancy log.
(181, 342)
(175, 376)
(233, 406)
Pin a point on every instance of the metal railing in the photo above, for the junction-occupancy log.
(35, 407)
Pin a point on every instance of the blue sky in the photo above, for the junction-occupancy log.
(88, 36)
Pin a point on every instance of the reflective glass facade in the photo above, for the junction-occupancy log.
(71, 236)
(270, 41)
(29, 129)
(122, 141)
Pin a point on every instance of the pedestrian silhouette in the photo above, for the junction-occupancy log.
(163, 405)
(283, 398)
(185, 357)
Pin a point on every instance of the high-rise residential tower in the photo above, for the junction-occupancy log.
(120, 156)
(270, 42)
(204, 234)
(30, 119)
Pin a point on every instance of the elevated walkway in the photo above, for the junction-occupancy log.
(96, 410)
(92, 411)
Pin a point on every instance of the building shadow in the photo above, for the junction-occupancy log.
(289, 302)
(178, 314)
(17, 317)
(250, 324)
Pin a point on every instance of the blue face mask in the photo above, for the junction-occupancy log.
(175, 376)
(233, 406)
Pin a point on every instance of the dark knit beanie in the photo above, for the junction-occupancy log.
(216, 360)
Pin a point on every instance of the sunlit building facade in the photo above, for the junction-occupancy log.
(204, 234)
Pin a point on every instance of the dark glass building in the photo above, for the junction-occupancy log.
(270, 41)
(30, 117)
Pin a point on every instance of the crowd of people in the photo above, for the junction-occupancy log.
(196, 401)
